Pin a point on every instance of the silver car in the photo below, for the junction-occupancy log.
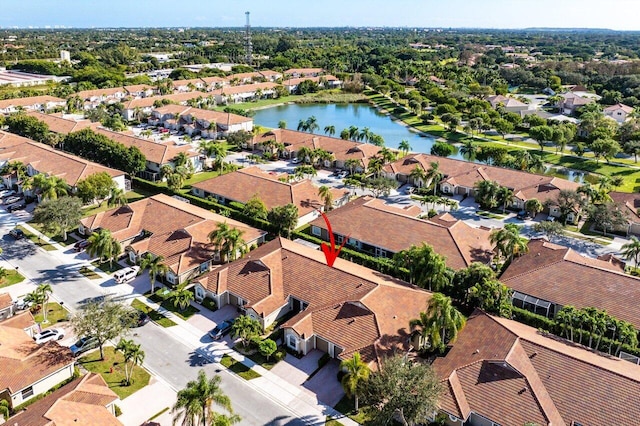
(48, 335)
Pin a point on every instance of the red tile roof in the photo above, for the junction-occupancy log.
(371, 221)
(511, 374)
(352, 306)
(59, 124)
(33, 100)
(559, 275)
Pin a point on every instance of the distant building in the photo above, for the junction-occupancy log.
(65, 55)
(618, 112)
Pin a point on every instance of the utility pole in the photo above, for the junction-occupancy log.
(248, 46)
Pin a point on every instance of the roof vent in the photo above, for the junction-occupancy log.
(477, 351)
(533, 355)
(395, 317)
(521, 391)
(359, 285)
(351, 321)
(538, 254)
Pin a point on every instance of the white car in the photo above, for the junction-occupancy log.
(343, 174)
(296, 160)
(48, 335)
(126, 275)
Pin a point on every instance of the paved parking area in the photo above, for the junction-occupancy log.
(297, 371)
(325, 384)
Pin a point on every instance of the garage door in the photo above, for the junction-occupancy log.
(233, 300)
(322, 345)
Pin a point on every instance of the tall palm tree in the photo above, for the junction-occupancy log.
(302, 125)
(418, 175)
(133, 355)
(181, 159)
(218, 236)
(505, 195)
(434, 175)
(220, 152)
(305, 154)
(156, 267)
(468, 150)
(181, 297)
(404, 147)
(508, 241)
(103, 245)
(311, 124)
(45, 291)
(357, 372)
(330, 130)
(387, 155)
(443, 320)
(352, 164)
(50, 187)
(325, 193)
(375, 166)
(194, 402)
(631, 250)
(233, 243)
(117, 197)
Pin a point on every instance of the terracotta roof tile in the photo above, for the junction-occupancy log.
(33, 100)
(5, 300)
(59, 124)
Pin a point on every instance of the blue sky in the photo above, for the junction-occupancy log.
(613, 14)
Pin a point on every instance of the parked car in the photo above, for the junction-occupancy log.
(81, 245)
(22, 304)
(343, 174)
(83, 345)
(550, 219)
(7, 194)
(48, 335)
(16, 207)
(16, 233)
(221, 329)
(127, 274)
(522, 215)
(296, 160)
(142, 319)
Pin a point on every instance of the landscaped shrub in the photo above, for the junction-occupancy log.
(209, 303)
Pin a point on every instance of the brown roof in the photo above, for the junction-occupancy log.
(175, 97)
(138, 88)
(81, 402)
(245, 88)
(317, 79)
(350, 305)
(625, 108)
(179, 231)
(303, 71)
(58, 124)
(341, 149)
(159, 153)
(370, 221)
(244, 184)
(627, 202)
(559, 275)
(204, 114)
(525, 185)
(24, 362)
(45, 159)
(194, 81)
(20, 321)
(5, 300)
(512, 374)
(33, 100)
(86, 94)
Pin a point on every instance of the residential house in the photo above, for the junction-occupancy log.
(551, 276)
(23, 321)
(85, 401)
(382, 230)
(93, 98)
(189, 85)
(29, 369)
(342, 150)
(6, 306)
(569, 102)
(246, 78)
(133, 108)
(58, 124)
(157, 154)
(213, 83)
(629, 203)
(244, 184)
(272, 76)
(460, 177)
(618, 112)
(34, 103)
(501, 372)
(167, 227)
(140, 91)
(40, 158)
(510, 104)
(324, 81)
(340, 310)
(244, 93)
(208, 123)
(303, 72)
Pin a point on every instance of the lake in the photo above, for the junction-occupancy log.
(343, 116)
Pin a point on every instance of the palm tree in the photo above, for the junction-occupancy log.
(4, 409)
(45, 291)
(103, 245)
(434, 175)
(117, 197)
(156, 267)
(50, 187)
(233, 243)
(133, 356)
(181, 159)
(387, 155)
(330, 130)
(487, 193)
(418, 176)
(443, 321)
(468, 150)
(220, 152)
(194, 402)
(364, 135)
(305, 154)
(352, 164)
(325, 193)
(356, 373)
(375, 165)
(506, 196)
(181, 297)
(404, 147)
(311, 124)
(508, 241)
(282, 124)
(302, 125)
(631, 250)
(218, 236)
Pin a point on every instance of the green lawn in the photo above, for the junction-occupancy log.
(331, 422)
(132, 196)
(57, 238)
(490, 215)
(262, 361)
(113, 359)
(13, 277)
(345, 406)
(239, 368)
(107, 267)
(153, 314)
(55, 314)
(36, 240)
(89, 273)
(168, 305)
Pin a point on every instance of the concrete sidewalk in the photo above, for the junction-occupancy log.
(155, 397)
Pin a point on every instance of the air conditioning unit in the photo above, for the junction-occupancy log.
(216, 257)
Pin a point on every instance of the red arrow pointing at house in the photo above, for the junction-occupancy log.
(330, 252)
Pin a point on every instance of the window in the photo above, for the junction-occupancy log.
(292, 342)
(339, 239)
(27, 393)
(381, 252)
(204, 266)
(315, 230)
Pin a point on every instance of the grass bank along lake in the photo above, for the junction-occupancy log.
(342, 116)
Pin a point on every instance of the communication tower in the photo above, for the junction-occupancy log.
(248, 46)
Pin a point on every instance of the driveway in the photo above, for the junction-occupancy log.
(325, 384)
(297, 371)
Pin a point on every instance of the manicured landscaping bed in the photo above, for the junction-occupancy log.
(112, 371)
(13, 277)
(55, 314)
(107, 267)
(89, 273)
(239, 368)
(36, 240)
(345, 406)
(168, 305)
(153, 314)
